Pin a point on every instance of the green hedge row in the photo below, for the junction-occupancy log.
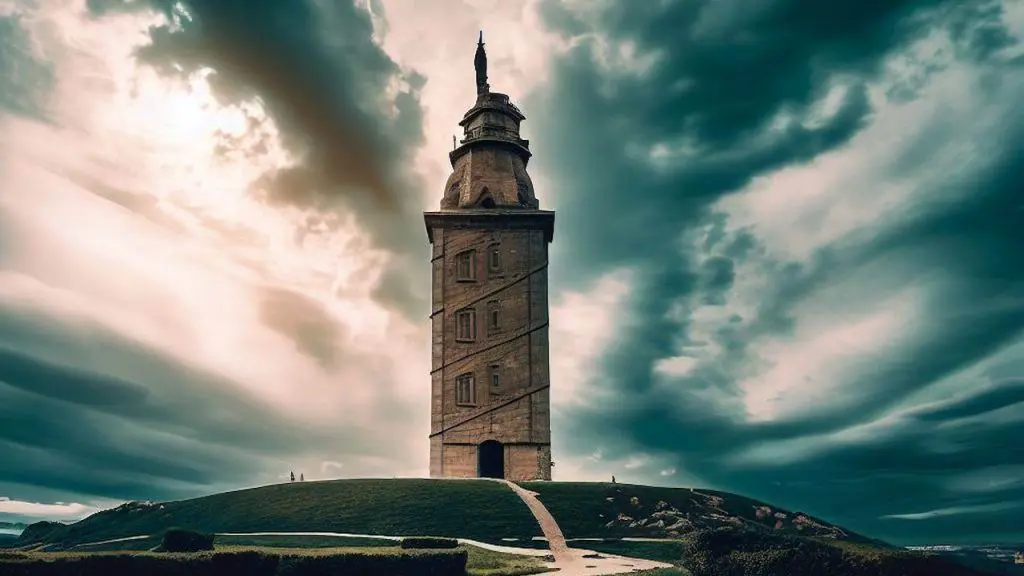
(427, 542)
(181, 540)
(243, 563)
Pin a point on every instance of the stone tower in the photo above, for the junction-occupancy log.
(490, 408)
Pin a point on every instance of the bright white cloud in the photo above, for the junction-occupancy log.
(583, 324)
(956, 511)
(55, 511)
(865, 188)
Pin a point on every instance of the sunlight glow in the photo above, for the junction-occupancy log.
(159, 178)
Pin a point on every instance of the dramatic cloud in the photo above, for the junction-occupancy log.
(205, 251)
(820, 208)
(786, 263)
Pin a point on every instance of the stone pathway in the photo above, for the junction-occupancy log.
(576, 561)
(548, 526)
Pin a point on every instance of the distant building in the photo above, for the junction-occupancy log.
(490, 407)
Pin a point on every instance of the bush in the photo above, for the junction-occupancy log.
(447, 563)
(427, 542)
(242, 563)
(738, 552)
(179, 540)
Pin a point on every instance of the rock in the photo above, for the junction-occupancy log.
(634, 501)
(658, 524)
(610, 499)
(667, 515)
(661, 505)
(678, 525)
(624, 518)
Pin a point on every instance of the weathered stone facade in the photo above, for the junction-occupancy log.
(490, 372)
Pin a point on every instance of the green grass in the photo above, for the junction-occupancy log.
(480, 562)
(129, 546)
(670, 551)
(662, 572)
(303, 542)
(489, 563)
(478, 510)
(582, 510)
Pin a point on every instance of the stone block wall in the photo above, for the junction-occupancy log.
(517, 352)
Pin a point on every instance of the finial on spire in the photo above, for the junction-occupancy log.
(480, 63)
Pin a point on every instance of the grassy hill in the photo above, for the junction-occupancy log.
(710, 533)
(598, 509)
(476, 509)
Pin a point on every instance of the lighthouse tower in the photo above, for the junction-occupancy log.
(490, 375)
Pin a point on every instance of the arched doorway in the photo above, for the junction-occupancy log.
(490, 459)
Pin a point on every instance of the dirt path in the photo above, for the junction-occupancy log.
(548, 526)
(576, 561)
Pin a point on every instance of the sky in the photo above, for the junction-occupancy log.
(787, 262)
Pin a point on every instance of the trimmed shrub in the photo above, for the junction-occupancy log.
(427, 543)
(180, 540)
(447, 563)
(242, 563)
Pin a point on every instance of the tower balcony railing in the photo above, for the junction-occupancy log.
(491, 133)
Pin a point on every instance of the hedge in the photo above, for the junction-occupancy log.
(427, 542)
(180, 540)
(242, 563)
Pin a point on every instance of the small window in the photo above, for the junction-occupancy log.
(495, 376)
(494, 259)
(493, 317)
(465, 390)
(466, 325)
(465, 266)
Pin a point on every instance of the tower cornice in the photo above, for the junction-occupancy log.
(492, 218)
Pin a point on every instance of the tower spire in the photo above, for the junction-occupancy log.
(480, 63)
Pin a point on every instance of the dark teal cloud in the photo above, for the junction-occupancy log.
(723, 71)
(26, 79)
(87, 411)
